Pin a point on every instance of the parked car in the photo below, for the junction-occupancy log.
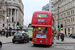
(27, 33)
(70, 35)
(73, 36)
(0, 44)
(20, 37)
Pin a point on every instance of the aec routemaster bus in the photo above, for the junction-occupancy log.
(43, 28)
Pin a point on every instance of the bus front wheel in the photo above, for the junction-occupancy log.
(52, 42)
(50, 45)
(34, 44)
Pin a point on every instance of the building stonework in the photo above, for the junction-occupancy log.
(46, 7)
(51, 7)
(14, 10)
(66, 15)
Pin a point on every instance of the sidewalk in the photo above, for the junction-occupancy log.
(67, 40)
(6, 40)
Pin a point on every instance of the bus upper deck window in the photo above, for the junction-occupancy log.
(41, 15)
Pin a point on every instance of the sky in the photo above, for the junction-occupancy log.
(30, 6)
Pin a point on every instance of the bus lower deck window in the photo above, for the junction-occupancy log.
(41, 29)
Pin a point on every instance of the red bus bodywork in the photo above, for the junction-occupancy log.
(48, 23)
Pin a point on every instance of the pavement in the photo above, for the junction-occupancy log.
(6, 40)
(67, 40)
(29, 46)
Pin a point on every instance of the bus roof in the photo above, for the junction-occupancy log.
(43, 12)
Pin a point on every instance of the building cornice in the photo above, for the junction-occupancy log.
(16, 5)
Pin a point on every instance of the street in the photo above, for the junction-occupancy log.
(29, 46)
(48, 22)
(68, 44)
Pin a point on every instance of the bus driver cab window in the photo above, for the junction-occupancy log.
(41, 29)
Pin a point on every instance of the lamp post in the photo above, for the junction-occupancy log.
(65, 28)
(7, 27)
(58, 22)
(14, 24)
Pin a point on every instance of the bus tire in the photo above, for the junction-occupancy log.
(52, 42)
(50, 45)
(28, 41)
(13, 42)
(34, 44)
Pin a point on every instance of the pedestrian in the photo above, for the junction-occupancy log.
(56, 36)
(62, 37)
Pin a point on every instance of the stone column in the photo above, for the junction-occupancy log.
(67, 31)
(11, 15)
(8, 14)
(17, 15)
(70, 30)
(74, 29)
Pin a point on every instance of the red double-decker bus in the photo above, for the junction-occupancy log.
(43, 28)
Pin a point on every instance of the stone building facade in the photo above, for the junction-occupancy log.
(51, 7)
(46, 7)
(14, 10)
(66, 15)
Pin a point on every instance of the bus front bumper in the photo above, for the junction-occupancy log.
(43, 43)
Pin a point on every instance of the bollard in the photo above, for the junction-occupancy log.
(8, 34)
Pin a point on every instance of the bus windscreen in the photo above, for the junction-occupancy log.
(41, 30)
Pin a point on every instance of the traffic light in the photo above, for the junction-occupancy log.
(17, 24)
(29, 25)
(61, 26)
(58, 26)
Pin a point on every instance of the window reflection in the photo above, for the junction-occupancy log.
(41, 29)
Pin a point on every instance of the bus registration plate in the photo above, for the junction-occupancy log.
(40, 36)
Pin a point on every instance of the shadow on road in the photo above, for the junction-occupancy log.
(41, 46)
(20, 43)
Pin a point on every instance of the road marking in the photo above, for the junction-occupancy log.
(64, 47)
